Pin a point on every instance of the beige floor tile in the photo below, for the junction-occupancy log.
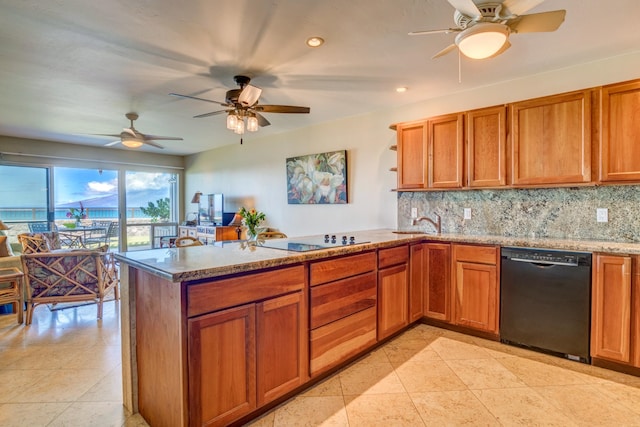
(535, 373)
(382, 410)
(83, 414)
(108, 389)
(422, 332)
(587, 407)
(627, 395)
(30, 414)
(521, 407)
(399, 351)
(14, 382)
(103, 357)
(484, 373)
(450, 349)
(135, 420)
(312, 411)
(452, 408)
(370, 378)
(46, 357)
(66, 385)
(328, 387)
(425, 376)
(376, 356)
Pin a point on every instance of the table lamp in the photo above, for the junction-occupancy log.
(196, 199)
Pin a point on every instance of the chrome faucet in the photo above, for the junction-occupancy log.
(437, 223)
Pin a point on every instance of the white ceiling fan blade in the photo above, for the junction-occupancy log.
(109, 144)
(153, 144)
(444, 51)
(466, 7)
(538, 22)
(249, 95)
(518, 7)
(162, 138)
(445, 31)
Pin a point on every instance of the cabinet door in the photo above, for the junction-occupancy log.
(486, 147)
(446, 147)
(551, 140)
(222, 366)
(392, 300)
(437, 295)
(282, 346)
(611, 308)
(620, 136)
(476, 296)
(412, 155)
(417, 281)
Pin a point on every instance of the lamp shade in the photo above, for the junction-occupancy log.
(483, 40)
(131, 143)
(236, 221)
(196, 197)
(3, 226)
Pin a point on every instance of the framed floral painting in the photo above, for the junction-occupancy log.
(317, 178)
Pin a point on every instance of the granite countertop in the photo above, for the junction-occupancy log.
(199, 262)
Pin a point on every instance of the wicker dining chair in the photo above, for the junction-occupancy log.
(187, 241)
(69, 276)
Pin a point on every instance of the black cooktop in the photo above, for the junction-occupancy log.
(311, 243)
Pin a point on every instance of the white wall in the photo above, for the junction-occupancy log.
(253, 174)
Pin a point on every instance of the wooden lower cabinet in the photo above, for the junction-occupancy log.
(417, 284)
(615, 317)
(437, 271)
(393, 290)
(476, 287)
(244, 357)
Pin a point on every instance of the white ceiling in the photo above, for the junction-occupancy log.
(69, 68)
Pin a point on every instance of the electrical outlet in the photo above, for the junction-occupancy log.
(467, 213)
(414, 212)
(602, 215)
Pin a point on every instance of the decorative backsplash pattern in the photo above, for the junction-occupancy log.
(563, 213)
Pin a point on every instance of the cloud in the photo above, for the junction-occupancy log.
(102, 187)
(147, 181)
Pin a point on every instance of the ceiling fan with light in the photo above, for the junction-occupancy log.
(242, 106)
(484, 27)
(130, 137)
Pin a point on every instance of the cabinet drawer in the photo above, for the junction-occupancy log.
(393, 256)
(223, 293)
(336, 342)
(478, 254)
(341, 268)
(335, 300)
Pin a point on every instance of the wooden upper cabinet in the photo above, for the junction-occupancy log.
(551, 140)
(620, 133)
(412, 155)
(487, 147)
(446, 147)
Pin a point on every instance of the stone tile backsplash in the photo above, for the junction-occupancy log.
(565, 213)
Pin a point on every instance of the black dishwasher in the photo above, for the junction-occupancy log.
(545, 301)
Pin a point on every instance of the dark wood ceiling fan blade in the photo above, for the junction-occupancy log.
(262, 120)
(213, 113)
(115, 135)
(538, 22)
(224, 104)
(282, 109)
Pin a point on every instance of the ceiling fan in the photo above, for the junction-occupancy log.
(484, 27)
(132, 138)
(243, 104)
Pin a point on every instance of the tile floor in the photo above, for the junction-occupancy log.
(64, 370)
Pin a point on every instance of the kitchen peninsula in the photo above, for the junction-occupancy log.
(212, 334)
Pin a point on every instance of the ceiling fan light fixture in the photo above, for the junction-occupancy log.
(232, 121)
(482, 40)
(252, 123)
(131, 143)
(239, 127)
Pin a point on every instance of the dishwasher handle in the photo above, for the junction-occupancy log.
(535, 261)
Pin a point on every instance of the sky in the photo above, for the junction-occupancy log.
(26, 186)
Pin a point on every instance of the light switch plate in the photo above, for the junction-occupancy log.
(602, 215)
(414, 212)
(467, 213)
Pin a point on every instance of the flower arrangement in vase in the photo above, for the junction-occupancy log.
(251, 218)
(77, 214)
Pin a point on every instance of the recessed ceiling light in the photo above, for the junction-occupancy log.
(315, 41)
(402, 89)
